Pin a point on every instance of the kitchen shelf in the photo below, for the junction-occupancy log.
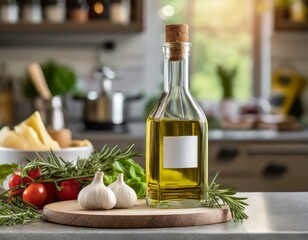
(93, 26)
(70, 32)
(282, 22)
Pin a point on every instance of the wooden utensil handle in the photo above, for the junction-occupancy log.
(39, 81)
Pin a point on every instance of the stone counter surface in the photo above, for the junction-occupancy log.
(272, 216)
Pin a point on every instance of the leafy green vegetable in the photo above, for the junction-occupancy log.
(60, 80)
(6, 170)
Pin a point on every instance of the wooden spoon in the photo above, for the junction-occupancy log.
(39, 81)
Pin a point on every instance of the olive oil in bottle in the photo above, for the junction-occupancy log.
(176, 133)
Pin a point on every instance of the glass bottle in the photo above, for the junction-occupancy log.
(298, 11)
(78, 10)
(120, 12)
(9, 11)
(55, 11)
(176, 133)
(32, 11)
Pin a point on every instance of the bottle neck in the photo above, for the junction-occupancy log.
(176, 66)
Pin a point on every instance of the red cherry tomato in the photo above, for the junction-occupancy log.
(35, 194)
(70, 190)
(34, 174)
(51, 192)
(15, 181)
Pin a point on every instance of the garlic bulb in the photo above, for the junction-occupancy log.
(97, 195)
(125, 195)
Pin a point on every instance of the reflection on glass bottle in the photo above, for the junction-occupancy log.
(176, 133)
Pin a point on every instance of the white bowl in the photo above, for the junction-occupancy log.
(10, 155)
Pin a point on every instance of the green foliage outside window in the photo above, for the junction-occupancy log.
(221, 33)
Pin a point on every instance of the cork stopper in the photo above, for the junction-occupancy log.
(176, 36)
(177, 33)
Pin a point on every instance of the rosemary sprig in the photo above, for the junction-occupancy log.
(215, 197)
(110, 160)
(17, 212)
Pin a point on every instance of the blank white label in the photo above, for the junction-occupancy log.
(180, 152)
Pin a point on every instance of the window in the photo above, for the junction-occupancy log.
(221, 33)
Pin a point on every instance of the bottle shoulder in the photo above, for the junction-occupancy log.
(177, 106)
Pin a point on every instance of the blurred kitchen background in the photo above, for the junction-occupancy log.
(249, 71)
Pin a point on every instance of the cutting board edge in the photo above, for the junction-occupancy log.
(218, 215)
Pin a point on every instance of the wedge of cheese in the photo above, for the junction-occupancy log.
(12, 140)
(30, 136)
(36, 123)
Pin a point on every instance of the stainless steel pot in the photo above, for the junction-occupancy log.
(106, 110)
(101, 109)
(52, 112)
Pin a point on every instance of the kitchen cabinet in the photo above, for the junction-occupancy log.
(93, 26)
(260, 166)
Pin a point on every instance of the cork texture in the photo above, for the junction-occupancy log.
(177, 33)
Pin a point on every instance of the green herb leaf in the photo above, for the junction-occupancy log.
(6, 170)
(213, 197)
(17, 212)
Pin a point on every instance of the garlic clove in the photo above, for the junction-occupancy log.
(125, 195)
(96, 195)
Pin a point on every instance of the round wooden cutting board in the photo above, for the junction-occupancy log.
(139, 216)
